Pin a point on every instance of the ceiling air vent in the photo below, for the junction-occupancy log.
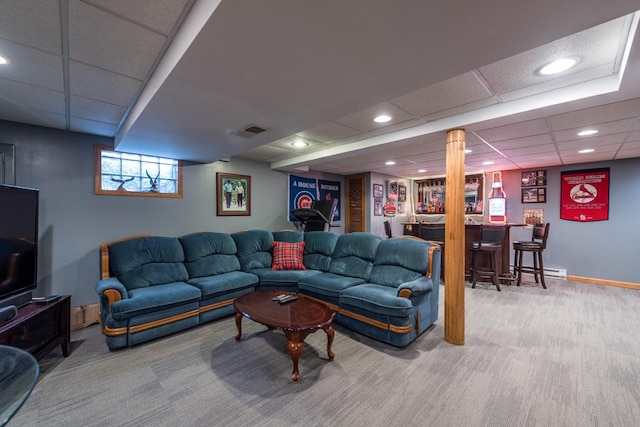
(250, 131)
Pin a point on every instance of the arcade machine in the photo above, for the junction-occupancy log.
(318, 217)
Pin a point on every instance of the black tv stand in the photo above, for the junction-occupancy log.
(39, 328)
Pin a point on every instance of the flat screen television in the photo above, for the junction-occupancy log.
(18, 244)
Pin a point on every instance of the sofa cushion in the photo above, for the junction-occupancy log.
(147, 261)
(398, 261)
(328, 284)
(288, 256)
(318, 248)
(354, 254)
(208, 253)
(151, 298)
(269, 277)
(224, 283)
(378, 299)
(254, 249)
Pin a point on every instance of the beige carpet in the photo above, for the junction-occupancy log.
(566, 356)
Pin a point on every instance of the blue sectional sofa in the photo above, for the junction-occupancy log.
(152, 286)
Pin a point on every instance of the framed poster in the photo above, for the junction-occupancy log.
(534, 195)
(233, 194)
(377, 206)
(584, 195)
(402, 193)
(537, 178)
(378, 190)
(533, 216)
(392, 190)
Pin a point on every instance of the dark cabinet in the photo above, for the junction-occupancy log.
(38, 329)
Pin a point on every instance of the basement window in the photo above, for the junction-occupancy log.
(126, 174)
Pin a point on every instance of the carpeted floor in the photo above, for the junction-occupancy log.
(566, 356)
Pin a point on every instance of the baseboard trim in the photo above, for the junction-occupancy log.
(604, 282)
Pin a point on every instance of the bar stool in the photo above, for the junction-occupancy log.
(491, 244)
(387, 229)
(536, 246)
(434, 233)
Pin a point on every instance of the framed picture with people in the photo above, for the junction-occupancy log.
(233, 194)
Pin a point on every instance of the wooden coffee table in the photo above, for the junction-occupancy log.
(296, 319)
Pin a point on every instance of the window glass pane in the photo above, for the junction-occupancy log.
(131, 167)
(110, 165)
(127, 156)
(167, 186)
(168, 171)
(107, 153)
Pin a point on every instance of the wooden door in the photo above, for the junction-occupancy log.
(356, 203)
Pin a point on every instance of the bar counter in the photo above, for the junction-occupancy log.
(472, 234)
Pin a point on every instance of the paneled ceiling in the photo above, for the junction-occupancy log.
(182, 78)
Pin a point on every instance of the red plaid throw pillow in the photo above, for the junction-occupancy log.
(288, 256)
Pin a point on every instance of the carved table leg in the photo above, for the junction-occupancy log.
(239, 325)
(330, 334)
(294, 345)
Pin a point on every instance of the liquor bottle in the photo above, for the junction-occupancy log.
(497, 201)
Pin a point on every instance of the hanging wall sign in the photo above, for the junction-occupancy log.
(330, 190)
(584, 195)
(302, 193)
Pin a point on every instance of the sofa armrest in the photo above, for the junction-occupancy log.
(417, 287)
(112, 290)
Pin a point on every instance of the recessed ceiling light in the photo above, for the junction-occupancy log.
(422, 170)
(382, 118)
(468, 150)
(588, 132)
(487, 163)
(298, 143)
(4, 60)
(558, 66)
(586, 150)
(389, 163)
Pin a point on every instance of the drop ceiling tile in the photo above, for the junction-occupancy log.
(32, 117)
(22, 95)
(628, 153)
(534, 150)
(530, 141)
(601, 114)
(92, 127)
(448, 94)
(596, 46)
(634, 136)
(17, 23)
(549, 156)
(571, 151)
(287, 142)
(363, 120)
(329, 132)
(587, 158)
(592, 142)
(515, 130)
(106, 41)
(102, 85)
(159, 15)
(263, 153)
(607, 128)
(95, 110)
(32, 66)
(472, 106)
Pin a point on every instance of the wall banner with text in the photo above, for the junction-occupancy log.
(584, 195)
(330, 190)
(302, 193)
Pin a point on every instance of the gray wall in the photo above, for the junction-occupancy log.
(603, 249)
(74, 221)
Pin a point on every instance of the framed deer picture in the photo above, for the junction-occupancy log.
(233, 194)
